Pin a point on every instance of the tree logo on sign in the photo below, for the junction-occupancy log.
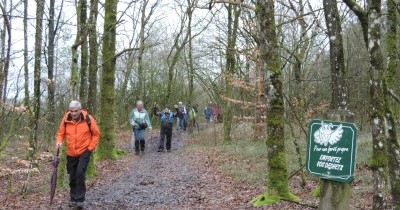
(326, 135)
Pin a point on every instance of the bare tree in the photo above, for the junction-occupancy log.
(93, 57)
(370, 22)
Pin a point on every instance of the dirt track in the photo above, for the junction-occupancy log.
(161, 181)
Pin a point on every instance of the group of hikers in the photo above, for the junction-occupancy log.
(140, 120)
(81, 134)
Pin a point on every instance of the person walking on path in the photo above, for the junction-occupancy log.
(182, 116)
(208, 112)
(82, 135)
(166, 119)
(140, 120)
(192, 118)
(216, 114)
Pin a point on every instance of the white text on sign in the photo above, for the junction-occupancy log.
(330, 162)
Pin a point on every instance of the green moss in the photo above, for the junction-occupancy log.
(378, 160)
(91, 169)
(317, 191)
(61, 166)
(272, 198)
(265, 199)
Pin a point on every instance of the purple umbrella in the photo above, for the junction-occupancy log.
(53, 181)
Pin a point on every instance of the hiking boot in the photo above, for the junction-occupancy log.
(136, 152)
(168, 150)
(160, 150)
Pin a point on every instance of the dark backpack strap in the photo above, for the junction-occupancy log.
(87, 122)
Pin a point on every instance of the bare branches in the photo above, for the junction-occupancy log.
(233, 2)
(394, 95)
(126, 50)
(4, 70)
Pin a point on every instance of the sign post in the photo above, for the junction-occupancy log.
(331, 155)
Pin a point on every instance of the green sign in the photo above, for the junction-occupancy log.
(331, 150)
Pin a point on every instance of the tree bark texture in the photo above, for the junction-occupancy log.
(83, 85)
(336, 55)
(277, 182)
(93, 56)
(106, 148)
(229, 71)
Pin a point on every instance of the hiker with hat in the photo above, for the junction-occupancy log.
(166, 119)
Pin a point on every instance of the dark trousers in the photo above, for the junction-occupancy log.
(76, 168)
(140, 145)
(165, 132)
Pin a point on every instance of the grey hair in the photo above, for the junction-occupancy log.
(75, 104)
(140, 102)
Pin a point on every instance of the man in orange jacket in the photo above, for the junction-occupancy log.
(82, 135)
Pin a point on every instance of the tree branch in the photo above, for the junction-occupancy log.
(393, 94)
(241, 4)
(124, 51)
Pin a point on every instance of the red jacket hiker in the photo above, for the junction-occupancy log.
(78, 135)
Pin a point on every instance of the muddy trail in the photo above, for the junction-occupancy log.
(164, 180)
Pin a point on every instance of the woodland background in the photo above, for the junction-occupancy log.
(271, 65)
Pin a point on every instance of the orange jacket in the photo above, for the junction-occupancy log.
(78, 134)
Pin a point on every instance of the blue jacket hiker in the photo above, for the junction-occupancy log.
(166, 119)
(139, 119)
(208, 112)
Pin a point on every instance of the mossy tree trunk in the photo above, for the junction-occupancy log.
(83, 86)
(277, 182)
(379, 159)
(229, 71)
(106, 148)
(390, 82)
(93, 56)
(372, 37)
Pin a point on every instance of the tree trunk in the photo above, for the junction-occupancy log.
(277, 182)
(372, 37)
(34, 121)
(83, 86)
(379, 159)
(333, 24)
(106, 148)
(5, 54)
(175, 54)
(93, 50)
(233, 25)
(390, 82)
(190, 57)
(51, 117)
(26, 60)
(141, 79)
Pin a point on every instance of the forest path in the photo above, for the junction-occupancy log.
(162, 180)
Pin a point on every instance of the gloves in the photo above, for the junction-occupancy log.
(58, 145)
